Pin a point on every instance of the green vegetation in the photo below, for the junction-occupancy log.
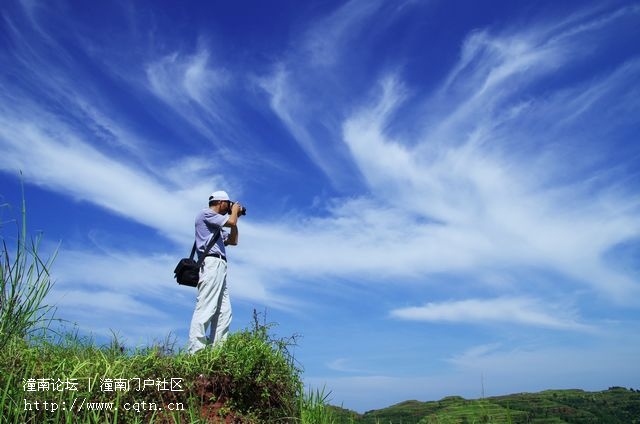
(52, 377)
(247, 379)
(614, 406)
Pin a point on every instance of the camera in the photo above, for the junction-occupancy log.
(242, 211)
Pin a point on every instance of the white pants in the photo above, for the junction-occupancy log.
(213, 308)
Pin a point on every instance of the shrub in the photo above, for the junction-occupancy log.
(253, 373)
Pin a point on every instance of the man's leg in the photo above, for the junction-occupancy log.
(209, 291)
(223, 317)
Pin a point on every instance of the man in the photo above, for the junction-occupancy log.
(213, 308)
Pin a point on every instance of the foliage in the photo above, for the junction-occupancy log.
(245, 380)
(314, 410)
(253, 373)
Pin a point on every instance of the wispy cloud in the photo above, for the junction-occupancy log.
(192, 86)
(62, 162)
(330, 37)
(91, 152)
(506, 310)
(344, 365)
(478, 171)
(312, 112)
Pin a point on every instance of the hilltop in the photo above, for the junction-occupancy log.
(617, 405)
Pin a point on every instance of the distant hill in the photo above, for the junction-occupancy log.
(617, 405)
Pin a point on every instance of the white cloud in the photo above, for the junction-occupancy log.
(178, 79)
(344, 365)
(329, 37)
(51, 155)
(108, 304)
(506, 310)
(287, 104)
(192, 87)
(312, 112)
(479, 170)
(133, 273)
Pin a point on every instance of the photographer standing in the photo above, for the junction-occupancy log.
(213, 307)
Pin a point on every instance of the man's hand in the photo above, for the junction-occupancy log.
(236, 208)
(234, 214)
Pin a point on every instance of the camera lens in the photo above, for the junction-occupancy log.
(242, 211)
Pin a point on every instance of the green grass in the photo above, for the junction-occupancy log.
(49, 376)
(24, 282)
(53, 381)
(313, 408)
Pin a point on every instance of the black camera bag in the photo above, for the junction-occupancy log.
(187, 272)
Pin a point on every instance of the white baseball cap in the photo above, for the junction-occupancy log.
(219, 195)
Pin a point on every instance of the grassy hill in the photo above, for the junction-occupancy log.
(614, 406)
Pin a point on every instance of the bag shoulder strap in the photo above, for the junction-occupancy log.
(214, 239)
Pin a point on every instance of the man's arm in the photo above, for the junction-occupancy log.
(232, 240)
(232, 223)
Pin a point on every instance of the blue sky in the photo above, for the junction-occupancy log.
(443, 197)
